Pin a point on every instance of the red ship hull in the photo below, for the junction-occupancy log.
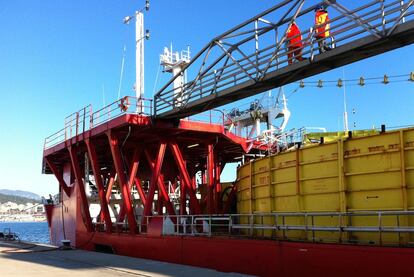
(249, 256)
(70, 218)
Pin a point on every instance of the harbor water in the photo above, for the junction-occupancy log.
(28, 231)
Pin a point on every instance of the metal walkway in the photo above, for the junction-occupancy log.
(252, 57)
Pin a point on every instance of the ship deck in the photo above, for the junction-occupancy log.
(145, 130)
(141, 127)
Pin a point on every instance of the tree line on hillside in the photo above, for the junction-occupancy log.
(16, 199)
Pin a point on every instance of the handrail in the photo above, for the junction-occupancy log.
(85, 119)
(283, 225)
(213, 116)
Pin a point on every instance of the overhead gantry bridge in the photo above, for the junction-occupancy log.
(253, 56)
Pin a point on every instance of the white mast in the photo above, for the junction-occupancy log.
(139, 55)
(140, 35)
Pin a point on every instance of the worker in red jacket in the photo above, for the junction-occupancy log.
(322, 27)
(294, 43)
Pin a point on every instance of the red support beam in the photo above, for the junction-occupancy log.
(186, 177)
(141, 192)
(160, 204)
(161, 187)
(154, 178)
(126, 194)
(59, 176)
(173, 186)
(203, 176)
(108, 191)
(132, 173)
(134, 166)
(204, 189)
(166, 197)
(210, 178)
(110, 185)
(79, 182)
(217, 191)
(194, 182)
(183, 197)
(93, 158)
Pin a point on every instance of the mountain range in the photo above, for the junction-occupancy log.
(20, 193)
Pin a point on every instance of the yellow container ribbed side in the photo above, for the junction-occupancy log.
(369, 173)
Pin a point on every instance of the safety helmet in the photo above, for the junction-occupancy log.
(320, 7)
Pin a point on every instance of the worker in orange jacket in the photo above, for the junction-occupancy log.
(294, 43)
(322, 27)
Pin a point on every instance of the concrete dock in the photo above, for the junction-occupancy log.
(25, 259)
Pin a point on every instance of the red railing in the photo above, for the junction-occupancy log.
(126, 104)
(85, 119)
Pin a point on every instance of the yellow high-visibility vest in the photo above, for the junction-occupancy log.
(322, 29)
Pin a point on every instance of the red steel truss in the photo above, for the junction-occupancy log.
(147, 163)
(101, 190)
(126, 192)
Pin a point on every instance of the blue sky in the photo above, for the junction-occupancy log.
(56, 57)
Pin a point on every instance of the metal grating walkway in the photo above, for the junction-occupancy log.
(253, 57)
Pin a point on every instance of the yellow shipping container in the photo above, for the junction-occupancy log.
(369, 173)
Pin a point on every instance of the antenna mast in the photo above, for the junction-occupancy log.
(139, 54)
(174, 62)
(140, 35)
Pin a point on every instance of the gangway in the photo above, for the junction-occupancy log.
(252, 57)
